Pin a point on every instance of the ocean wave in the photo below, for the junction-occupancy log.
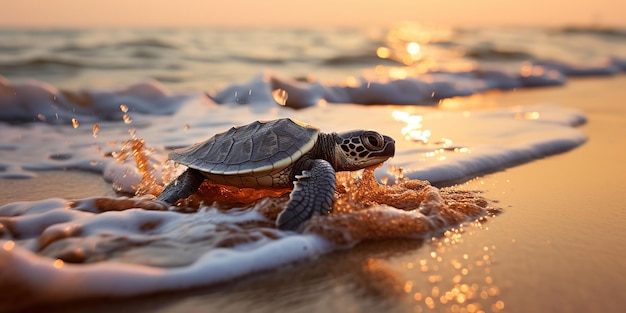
(145, 54)
(48, 104)
(608, 67)
(496, 54)
(40, 62)
(49, 64)
(32, 101)
(136, 43)
(611, 32)
(146, 42)
(258, 59)
(425, 89)
(366, 59)
(421, 89)
(222, 57)
(8, 48)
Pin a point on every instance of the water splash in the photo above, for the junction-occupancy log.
(136, 150)
(127, 119)
(95, 130)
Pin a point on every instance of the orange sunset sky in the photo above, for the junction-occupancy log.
(199, 13)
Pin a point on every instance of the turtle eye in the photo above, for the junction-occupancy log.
(372, 140)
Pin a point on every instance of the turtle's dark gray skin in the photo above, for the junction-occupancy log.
(279, 153)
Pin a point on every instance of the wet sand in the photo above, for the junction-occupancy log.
(557, 247)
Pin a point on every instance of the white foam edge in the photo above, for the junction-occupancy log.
(72, 281)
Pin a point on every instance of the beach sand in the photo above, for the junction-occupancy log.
(557, 247)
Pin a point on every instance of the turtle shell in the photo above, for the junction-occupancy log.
(259, 147)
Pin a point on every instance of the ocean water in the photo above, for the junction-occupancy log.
(114, 102)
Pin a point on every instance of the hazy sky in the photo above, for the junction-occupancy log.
(124, 13)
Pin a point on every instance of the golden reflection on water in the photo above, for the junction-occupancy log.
(413, 130)
(383, 52)
(413, 48)
(527, 115)
(352, 81)
(412, 45)
(405, 43)
(444, 280)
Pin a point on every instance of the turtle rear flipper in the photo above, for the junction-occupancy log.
(312, 195)
(181, 187)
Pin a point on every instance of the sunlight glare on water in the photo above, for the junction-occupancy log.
(413, 130)
(469, 288)
(528, 115)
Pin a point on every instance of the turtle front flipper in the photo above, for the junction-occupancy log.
(312, 195)
(181, 187)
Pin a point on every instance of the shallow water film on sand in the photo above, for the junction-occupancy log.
(62, 111)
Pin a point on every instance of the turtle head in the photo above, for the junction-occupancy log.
(359, 149)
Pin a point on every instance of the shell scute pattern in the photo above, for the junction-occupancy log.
(256, 148)
(266, 143)
(241, 151)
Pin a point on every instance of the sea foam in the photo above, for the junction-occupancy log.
(58, 249)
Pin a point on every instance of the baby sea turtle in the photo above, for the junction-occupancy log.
(279, 153)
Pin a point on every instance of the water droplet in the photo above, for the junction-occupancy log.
(127, 119)
(186, 127)
(123, 108)
(117, 187)
(75, 123)
(41, 117)
(9, 245)
(58, 263)
(280, 96)
(133, 133)
(95, 129)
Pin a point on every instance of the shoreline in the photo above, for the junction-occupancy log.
(556, 247)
